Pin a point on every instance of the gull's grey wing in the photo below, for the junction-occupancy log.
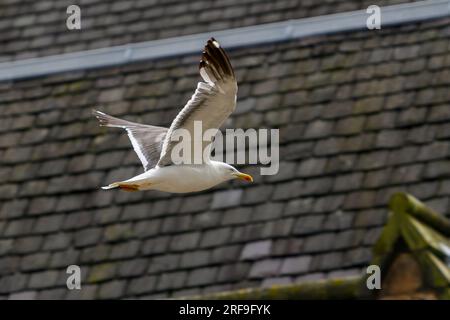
(147, 140)
(213, 101)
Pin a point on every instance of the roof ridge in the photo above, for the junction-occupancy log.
(404, 202)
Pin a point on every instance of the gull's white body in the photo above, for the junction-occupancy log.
(181, 178)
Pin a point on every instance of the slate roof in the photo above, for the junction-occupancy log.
(412, 230)
(38, 28)
(361, 116)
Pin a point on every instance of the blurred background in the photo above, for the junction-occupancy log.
(362, 114)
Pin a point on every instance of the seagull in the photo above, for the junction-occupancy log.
(211, 104)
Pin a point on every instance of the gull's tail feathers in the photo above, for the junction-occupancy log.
(111, 186)
(110, 121)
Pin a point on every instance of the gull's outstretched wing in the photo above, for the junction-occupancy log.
(146, 140)
(213, 101)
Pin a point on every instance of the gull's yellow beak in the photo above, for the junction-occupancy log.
(244, 176)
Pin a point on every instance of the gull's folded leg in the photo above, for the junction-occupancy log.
(129, 187)
(126, 186)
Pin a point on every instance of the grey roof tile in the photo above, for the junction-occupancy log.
(290, 246)
(238, 215)
(318, 129)
(206, 219)
(359, 200)
(87, 237)
(319, 243)
(89, 292)
(172, 280)
(195, 203)
(112, 289)
(136, 211)
(227, 253)
(310, 277)
(308, 224)
(43, 279)
(439, 204)
(224, 199)
(277, 228)
(6, 245)
(101, 272)
(106, 215)
(350, 181)
(147, 228)
(268, 211)
(347, 238)
(163, 262)
(142, 285)
(296, 265)
(408, 173)
(186, 241)
(353, 272)
(61, 259)
(299, 206)
(97, 253)
(437, 168)
(368, 218)
(78, 220)
(9, 265)
(233, 272)
(215, 237)
(24, 295)
(13, 283)
(265, 268)
(116, 232)
(19, 227)
(312, 167)
(52, 294)
(26, 244)
(256, 250)
(202, 276)
(328, 203)
(195, 258)
(357, 256)
(156, 245)
(287, 190)
(125, 250)
(174, 224)
(338, 220)
(328, 261)
(434, 151)
(13, 209)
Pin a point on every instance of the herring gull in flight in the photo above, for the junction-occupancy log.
(211, 104)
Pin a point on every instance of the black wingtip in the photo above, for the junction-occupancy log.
(215, 58)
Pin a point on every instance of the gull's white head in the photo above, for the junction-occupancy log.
(229, 172)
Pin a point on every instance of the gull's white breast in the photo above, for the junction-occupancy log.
(179, 178)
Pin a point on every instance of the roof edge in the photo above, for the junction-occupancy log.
(231, 38)
(335, 288)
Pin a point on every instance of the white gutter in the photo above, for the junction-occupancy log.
(231, 38)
